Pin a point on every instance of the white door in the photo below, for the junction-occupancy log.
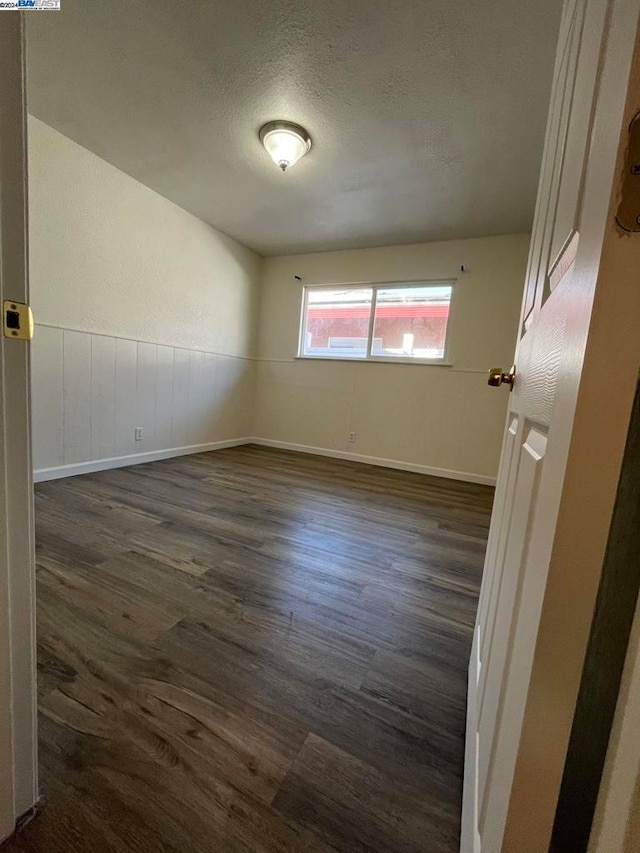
(18, 778)
(534, 611)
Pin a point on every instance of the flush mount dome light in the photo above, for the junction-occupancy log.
(285, 142)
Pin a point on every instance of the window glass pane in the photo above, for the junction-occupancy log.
(411, 322)
(336, 324)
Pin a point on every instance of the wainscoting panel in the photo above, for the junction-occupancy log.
(126, 379)
(46, 397)
(76, 390)
(103, 396)
(91, 392)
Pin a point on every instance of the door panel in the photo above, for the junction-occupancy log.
(500, 724)
(531, 445)
(564, 75)
(497, 539)
(566, 84)
(578, 129)
(516, 733)
(539, 362)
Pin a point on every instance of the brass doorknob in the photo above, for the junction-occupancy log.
(498, 377)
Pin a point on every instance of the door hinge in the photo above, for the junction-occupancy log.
(17, 320)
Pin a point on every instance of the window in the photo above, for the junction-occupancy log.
(379, 322)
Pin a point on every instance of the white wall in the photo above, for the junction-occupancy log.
(145, 315)
(439, 419)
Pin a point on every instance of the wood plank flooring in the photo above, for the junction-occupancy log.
(254, 651)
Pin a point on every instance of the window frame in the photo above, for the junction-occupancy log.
(374, 287)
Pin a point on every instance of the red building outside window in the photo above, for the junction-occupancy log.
(409, 321)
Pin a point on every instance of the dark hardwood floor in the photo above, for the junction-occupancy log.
(253, 650)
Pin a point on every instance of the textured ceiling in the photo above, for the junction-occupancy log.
(427, 116)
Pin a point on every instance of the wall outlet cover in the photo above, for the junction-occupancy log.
(139, 433)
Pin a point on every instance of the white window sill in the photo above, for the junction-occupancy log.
(375, 360)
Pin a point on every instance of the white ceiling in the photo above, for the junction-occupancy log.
(427, 116)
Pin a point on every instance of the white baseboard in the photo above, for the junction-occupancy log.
(43, 474)
(465, 476)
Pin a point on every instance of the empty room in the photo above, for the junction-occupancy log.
(319, 487)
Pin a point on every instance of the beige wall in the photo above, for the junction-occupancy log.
(110, 256)
(145, 315)
(426, 417)
(148, 317)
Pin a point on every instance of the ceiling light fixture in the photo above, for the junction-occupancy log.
(285, 142)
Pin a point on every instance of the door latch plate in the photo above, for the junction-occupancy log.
(17, 321)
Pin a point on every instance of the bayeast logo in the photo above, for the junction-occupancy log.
(26, 5)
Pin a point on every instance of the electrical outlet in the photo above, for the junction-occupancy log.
(139, 433)
(352, 437)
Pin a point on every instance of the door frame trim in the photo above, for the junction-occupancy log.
(18, 736)
(605, 660)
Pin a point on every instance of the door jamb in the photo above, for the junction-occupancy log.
(605, 659)
(18, 740)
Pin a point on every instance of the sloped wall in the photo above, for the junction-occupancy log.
(146, 317)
